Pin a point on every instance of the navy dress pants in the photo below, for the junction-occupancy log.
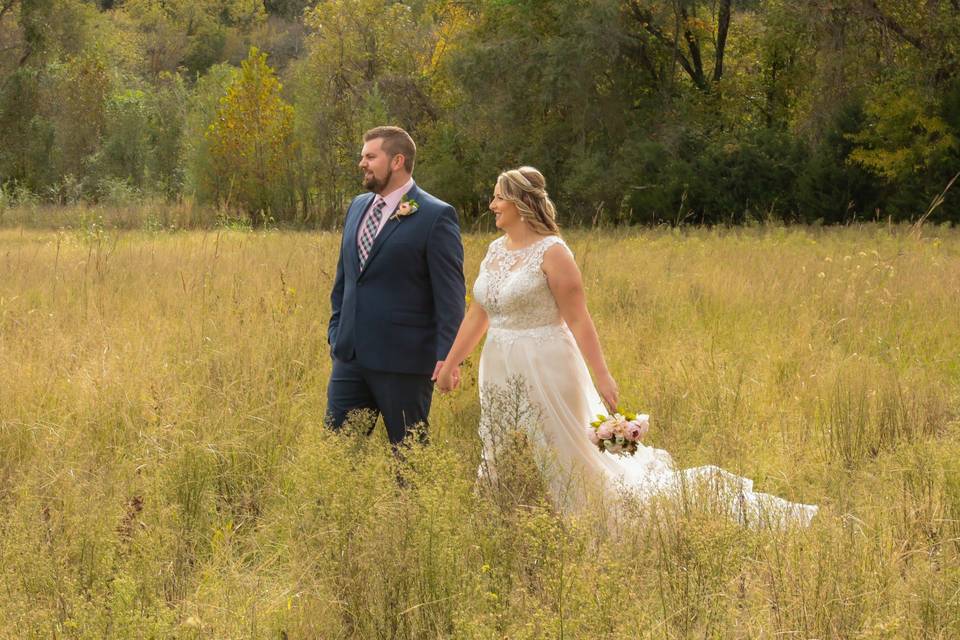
(402, 399)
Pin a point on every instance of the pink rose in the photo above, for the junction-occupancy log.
(605, 430)
(592, 435)
(642, 422)
(620, 428)
(406, 208)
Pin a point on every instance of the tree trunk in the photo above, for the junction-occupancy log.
(693, 45)
(723, 26)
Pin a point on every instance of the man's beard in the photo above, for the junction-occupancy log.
(375, 185)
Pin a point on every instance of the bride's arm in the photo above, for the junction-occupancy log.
(566, 284)
(472, 328)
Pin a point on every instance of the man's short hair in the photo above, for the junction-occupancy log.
(395, 141)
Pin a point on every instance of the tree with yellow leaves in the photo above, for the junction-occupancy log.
(252, 146)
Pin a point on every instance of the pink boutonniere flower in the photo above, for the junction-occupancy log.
(406, 208)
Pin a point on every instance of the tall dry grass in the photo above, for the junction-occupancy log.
(164, 470)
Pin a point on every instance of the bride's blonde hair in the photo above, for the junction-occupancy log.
(527, 188)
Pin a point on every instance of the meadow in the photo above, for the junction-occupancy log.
(165, 471)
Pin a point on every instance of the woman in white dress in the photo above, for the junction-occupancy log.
(530, 303)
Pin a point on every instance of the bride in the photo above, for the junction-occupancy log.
(529, 301)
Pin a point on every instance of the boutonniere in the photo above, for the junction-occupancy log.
(407, 208)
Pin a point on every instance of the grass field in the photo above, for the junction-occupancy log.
(165, 473)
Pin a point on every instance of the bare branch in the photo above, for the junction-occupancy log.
(645, 19)
(890, 23)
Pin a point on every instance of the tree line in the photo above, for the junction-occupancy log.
(637, 111)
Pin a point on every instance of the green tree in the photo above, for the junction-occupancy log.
(540, 84)
(79, 91)
(636, 110)
(683, 34)
(167, 115)
(362, 69)
(201, 177)
(28, 136)
(195, 34)
(125, 145)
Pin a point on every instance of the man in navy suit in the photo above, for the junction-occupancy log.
(398, 296)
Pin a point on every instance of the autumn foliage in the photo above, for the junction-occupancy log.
(252, 146)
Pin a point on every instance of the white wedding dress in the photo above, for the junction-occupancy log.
(533, 376)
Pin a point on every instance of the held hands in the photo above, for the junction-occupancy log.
(607, 388)
(446, 377)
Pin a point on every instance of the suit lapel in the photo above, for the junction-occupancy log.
(389, 228)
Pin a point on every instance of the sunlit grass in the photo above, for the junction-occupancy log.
(164, 470)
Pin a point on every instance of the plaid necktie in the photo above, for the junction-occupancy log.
(368, 233)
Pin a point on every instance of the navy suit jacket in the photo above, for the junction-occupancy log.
(401, 312)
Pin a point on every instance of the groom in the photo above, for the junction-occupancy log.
(398, 296)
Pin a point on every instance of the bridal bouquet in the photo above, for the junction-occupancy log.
(620, 433)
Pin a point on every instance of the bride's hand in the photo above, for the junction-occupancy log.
(448, 378)
(607, 387)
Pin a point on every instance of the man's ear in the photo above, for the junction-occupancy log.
(395, 165)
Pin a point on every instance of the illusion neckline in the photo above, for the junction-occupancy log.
(529, 246)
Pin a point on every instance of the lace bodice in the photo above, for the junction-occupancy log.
(513, 290)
